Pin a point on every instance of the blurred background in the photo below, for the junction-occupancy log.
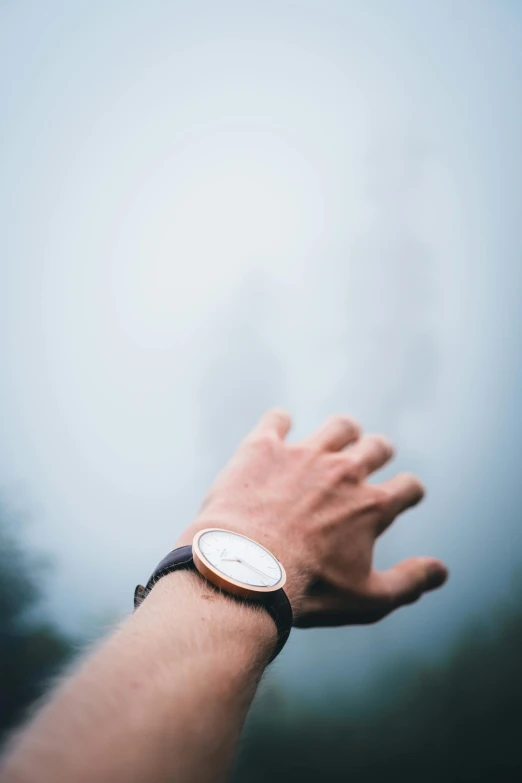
(209, 208)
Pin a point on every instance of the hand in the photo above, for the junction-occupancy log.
(310, 505)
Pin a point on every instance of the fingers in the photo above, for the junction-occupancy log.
(408, 580)
(336, 433)
(381, 594)
(370, 453)
(275, 422)
(396, 495)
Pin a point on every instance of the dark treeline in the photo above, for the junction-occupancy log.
(459, 722)
(31, 649)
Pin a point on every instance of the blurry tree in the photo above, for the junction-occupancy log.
(459, 722)
(31, 649)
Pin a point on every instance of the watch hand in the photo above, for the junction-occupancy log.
(254, 569)
(238, 560)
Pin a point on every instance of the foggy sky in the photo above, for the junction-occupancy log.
(208, 209)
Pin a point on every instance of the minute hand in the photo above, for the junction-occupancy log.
(238, 560)
(254, 569)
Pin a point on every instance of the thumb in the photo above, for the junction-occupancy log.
(405, 582)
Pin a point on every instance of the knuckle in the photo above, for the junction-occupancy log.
(303, 452)
(385, 446)
(380, 498)
(384, 440)
(416, 486)
(263, 443)
(345, 423)
(378, 450)
(352, 468)
(281, 414)
(409, 478)
(335, 468)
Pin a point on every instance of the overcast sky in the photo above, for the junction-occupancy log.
(210, 208)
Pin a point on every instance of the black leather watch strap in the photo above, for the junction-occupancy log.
(276, 603)
(178, 560)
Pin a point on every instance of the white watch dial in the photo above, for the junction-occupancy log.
(240, 558)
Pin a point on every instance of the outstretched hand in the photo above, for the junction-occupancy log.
(310, 504)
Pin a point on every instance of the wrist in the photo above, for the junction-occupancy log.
(214, 622)
(297, 577)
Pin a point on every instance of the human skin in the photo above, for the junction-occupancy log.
(165, 697)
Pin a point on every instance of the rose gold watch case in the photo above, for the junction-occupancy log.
(225, 582)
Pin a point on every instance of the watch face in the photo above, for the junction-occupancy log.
(236, 563)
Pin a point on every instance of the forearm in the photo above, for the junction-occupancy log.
(164, 698)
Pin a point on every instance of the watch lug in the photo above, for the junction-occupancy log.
(139, 595)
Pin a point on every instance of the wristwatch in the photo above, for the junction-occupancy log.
(237, 565)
